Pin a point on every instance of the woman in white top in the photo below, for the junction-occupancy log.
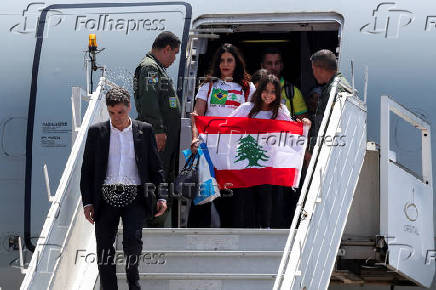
(226, 88)
(264, 206)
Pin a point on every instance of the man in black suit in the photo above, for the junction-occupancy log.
(121, 166)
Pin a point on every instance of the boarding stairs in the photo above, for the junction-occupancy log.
(207, 258)
(303, 257)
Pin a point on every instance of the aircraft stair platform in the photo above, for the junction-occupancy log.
(304, 257)
(207, 258)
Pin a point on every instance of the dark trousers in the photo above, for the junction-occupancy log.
(204, 215)
(199, 216)
(262, 206)
(212, 214)
(252, 207)
(284, 200)
(106, 227)
(228, 209)
(170, 160)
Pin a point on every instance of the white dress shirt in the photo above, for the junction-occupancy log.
(121, 167)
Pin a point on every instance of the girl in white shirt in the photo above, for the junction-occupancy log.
(264, 206)
(265, 103)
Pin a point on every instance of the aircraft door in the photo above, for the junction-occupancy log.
(126, 31)
(406, 202)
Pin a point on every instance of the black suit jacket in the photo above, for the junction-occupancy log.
(95, 160)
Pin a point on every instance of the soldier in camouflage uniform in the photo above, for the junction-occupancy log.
(325, 71)
(157, 103)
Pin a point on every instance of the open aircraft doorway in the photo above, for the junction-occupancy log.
(127, 31)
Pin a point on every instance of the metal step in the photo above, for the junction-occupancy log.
(211, 239)
(224, 259)
(195, 281)
(233, 262)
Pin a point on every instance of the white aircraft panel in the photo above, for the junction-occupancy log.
(410, 235)
(126, 31)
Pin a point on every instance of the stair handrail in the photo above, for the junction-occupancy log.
(305, 188)
(59, 196)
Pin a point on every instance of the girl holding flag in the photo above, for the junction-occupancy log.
(264, 206)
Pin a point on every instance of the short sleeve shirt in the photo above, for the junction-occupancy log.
(224, 97)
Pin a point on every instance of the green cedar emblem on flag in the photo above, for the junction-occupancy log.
(218, 97)
(249, 149)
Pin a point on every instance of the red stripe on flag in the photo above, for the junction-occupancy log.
(238, 125)
(233, 103)
(235, 92)
(256, 176)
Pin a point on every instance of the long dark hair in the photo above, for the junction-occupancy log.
(257, 99)
(240, 76)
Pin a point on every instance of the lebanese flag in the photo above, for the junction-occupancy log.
(247, 152)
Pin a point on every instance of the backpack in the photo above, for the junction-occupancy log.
(290, 92)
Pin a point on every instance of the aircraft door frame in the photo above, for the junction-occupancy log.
(406, 202)
(34, 85)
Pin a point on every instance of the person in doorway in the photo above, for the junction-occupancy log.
(325, 71)
(272, 61)
(120, 162)
(157, 103)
